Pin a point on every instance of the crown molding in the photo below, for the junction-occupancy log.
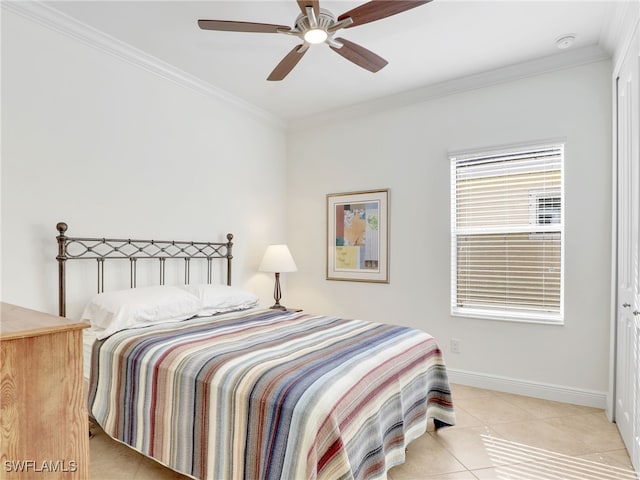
(55, 20)
(552, 63)
(622, 16)
(618, 34)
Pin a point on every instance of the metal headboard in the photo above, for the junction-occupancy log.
(101, 249)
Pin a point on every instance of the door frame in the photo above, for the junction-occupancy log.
(623, 49)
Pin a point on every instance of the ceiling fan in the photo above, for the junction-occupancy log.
(317, 25)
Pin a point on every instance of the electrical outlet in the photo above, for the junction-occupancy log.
(455, 345)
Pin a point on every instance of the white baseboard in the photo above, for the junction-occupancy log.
(558, 393)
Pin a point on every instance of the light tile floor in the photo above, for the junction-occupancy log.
(498, 436)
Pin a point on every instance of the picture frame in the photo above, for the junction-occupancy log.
(358, 236)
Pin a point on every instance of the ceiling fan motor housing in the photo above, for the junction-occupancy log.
(325, 20)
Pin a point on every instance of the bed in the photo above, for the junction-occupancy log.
(221, 388)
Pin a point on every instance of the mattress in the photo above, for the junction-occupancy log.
(89, 336)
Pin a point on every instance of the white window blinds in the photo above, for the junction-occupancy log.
(507, 234)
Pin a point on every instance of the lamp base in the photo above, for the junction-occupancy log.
(277, 295)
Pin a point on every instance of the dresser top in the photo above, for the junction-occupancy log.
(20, 322)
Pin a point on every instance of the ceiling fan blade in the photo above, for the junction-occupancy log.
(377, 9)
(315, 4)
(360, 55)
(231, 26)
(287, 63)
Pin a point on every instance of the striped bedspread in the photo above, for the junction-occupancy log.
(270, 395)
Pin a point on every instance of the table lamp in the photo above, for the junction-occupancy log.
(277, 259)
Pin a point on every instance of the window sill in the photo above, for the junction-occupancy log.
(524, 317)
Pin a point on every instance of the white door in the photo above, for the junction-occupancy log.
(627, 409)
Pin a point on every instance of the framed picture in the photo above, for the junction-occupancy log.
(358, 236)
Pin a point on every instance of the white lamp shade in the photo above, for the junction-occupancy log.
(277, 259)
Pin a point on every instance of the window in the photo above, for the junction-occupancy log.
(547, 209)
(507, 223)
(544, 209)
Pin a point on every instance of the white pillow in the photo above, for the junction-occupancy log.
(221, 298)
(140, 307)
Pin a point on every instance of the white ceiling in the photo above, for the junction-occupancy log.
(430, 44)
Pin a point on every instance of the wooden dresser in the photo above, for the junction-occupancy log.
(43, 417)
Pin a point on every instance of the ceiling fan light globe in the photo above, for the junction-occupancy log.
(315, 35)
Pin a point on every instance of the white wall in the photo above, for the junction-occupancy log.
(406, 150)
(117, 151)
